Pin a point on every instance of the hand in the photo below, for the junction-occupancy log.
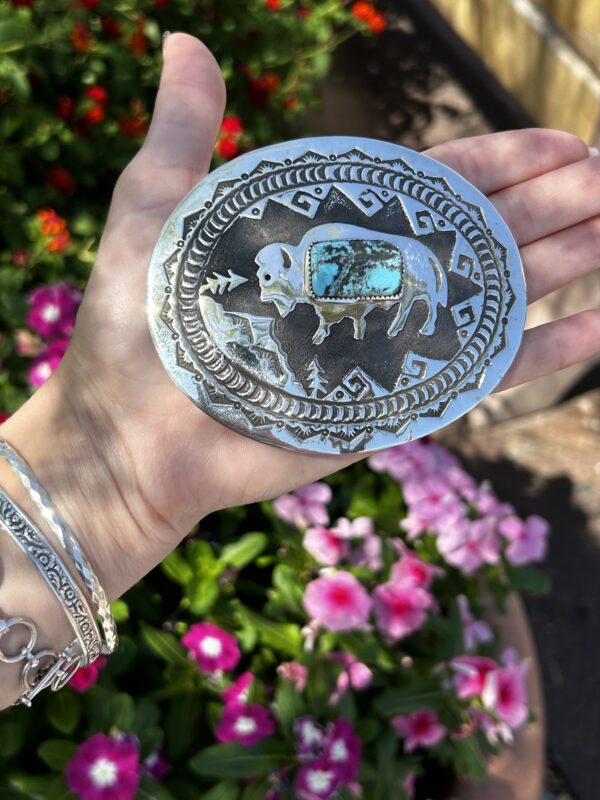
(145, 464)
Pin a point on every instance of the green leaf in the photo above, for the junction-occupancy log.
(242, 552)
(12, 736)
(14, 34)
(181, 725)
(150, 789)
(202, 593)
(257, 790)
(56, 753)
(233, 760)
(470, 758)
(164, 645)
(528, 579)
(288, 705)
(147, 714)
(63, 710)
(121, 711)
(225, 790)
(177, 568)
(419, 694)
(285, 637)
(120, 611)
(386, 750)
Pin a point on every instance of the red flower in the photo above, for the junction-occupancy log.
(110, 27)
(81, 37)
(138, 43)
(59, 242)
(232, 125)
(227, 147)
(133, 126)
(290, 102)
(4, 415)
(91, 4)
(161, 3)
(94, 116)
(23, 3)
(19, 258)
(367, 13)
(61, 179)
(259, 89)
(98, 94)
(303, 11)
(54, 226)
(273, 5)
(64, 107)
(3, 95)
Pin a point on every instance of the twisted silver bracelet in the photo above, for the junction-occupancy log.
(49, 564)
(67, 540)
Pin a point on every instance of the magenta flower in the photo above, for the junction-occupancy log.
(295, 672)
(238, 691)
(505, 695)
(343, 749)
(469, 544)
(527, 538)
(156, 765)
(46, 362)
(471, 674)
(317, 779)
(421, 729)
(305, 507)
(53, 309)
(104, 768)
(410, 784)
(338, 602)
(355, 674)
(211, 647)
(400, 609)
(325, 546)
(358, 528)
(244, 723)
(310, 736)
(411, 570)
(475, 630)
(85, 677)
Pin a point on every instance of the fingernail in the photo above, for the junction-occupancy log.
(594, 152)
(165, 36)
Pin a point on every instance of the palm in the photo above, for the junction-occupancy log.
(186, 463)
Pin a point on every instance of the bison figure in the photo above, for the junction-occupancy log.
(347, 271)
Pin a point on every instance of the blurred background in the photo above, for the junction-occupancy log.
(77, 81)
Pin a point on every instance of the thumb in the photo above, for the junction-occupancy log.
(179, 144)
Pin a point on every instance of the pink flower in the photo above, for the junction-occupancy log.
(85, 677)
(421, 729)
(48, 360)
(211, 647)
(244, 723)
(411, 570)
(358, 528)
(316, 779)
(238, 691)
(53, 309)
(368, 553)
(325, 546)
(488, 505)
(475, 630)
(505, 695)
(400, 609)
(310, 736)
(338, 602)
(343, 749)
(156, 765)
(469, 544)
(471, 674)
(295, 672)
(306, 506)
(527, 538)
(355, 674)
(104, 767)
(410, 784)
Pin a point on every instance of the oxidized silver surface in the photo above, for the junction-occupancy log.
(335, 294)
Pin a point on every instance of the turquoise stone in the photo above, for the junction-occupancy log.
(355, 268)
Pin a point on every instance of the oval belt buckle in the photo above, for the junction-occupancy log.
(335, 295)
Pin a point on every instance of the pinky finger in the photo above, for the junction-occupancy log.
(554, 346)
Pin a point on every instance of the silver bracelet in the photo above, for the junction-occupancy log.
(68, 541)
(55, 669)
(49, 564)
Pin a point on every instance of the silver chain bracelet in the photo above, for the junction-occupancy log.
(67, 541)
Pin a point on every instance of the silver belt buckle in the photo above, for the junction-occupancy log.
(336, 294)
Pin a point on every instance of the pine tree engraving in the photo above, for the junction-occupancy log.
(317, 382)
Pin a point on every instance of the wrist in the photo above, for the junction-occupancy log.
(73, 454)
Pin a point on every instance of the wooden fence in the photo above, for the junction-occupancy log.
(545, 52)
